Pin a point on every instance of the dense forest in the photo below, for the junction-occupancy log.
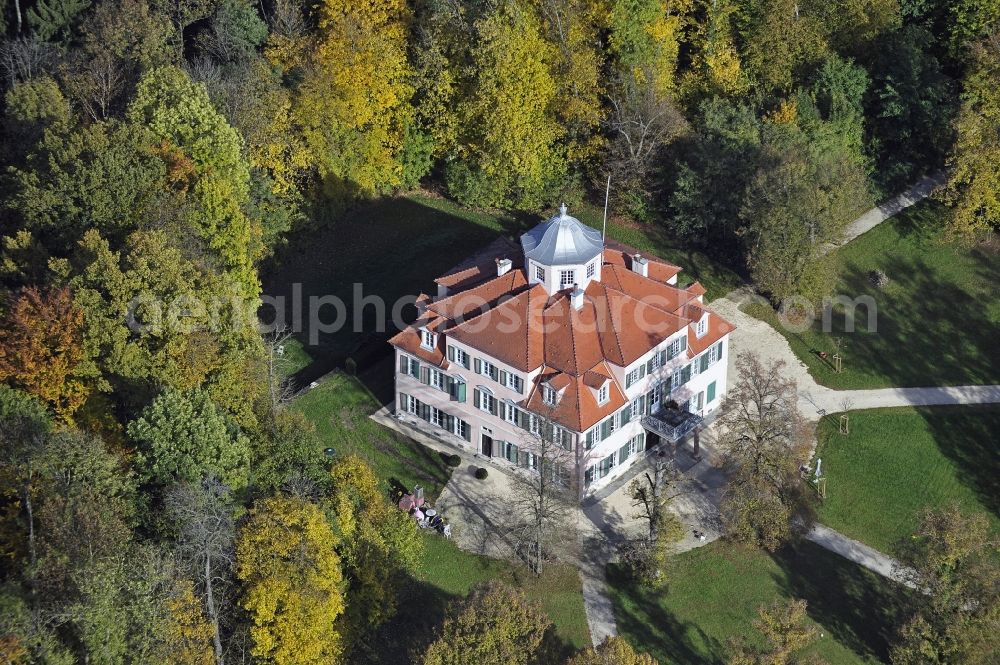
(159, 502)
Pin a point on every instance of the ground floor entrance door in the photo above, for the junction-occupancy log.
(487, 445)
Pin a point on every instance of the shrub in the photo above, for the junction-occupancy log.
(481, 473)
(453, 460)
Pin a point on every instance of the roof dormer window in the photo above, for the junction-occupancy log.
(702, 326)
(602, 394)
(428, 339)
(549, 395)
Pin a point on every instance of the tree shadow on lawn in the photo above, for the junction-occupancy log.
(967, 436)
(928, 332)
(392, 247)
(423, 608)
(859, 609)
(656, 630)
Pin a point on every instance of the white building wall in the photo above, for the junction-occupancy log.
(499, 430)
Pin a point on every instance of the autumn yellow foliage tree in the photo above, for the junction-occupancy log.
(646, 37)
(380, 543)
(41, 344)
(292, 580)
(187, 635)
(509, 152)
(974, 184)
(354, 102)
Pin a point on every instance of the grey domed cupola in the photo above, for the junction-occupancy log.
(562, 252)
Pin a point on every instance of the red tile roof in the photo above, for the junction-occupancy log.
(621, 318)
(482, 266)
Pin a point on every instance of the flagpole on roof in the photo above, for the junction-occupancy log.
(607, 193)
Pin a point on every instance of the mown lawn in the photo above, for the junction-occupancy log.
(717, 589)
(937, 318)
(896, 462)
(448, 574)
(395, 247)
(339, 406)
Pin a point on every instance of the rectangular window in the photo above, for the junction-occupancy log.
(438, 379)
(602, 394)
(675, 380)
(567, 278)
(510, 452)
(457, 355)
(592, 269)
(548, 395)
(702, 326)
(710, 392)
(428, 339)
(408, 365)
(637, 405)
(685, 374)
(540, 273)
(437, 417)
(674, 348)
(512, 381)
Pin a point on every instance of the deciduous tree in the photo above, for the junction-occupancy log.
(41, 344)
(508, 148)
(764, 442)
(952, 560)
(613, 650)
(974, 180)
(495, 625)
(291, 579)
(379, 543)
(785, 632)
(182, 436)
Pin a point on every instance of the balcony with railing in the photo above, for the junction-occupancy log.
(672, 424)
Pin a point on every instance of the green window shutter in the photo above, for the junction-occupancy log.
(477, 397)
(685, 374)
(623, 453)
(451, 353)
(590, 438)
(626, 414)
(642, 370)
(711, 391)
(404, 364)
(642, 405)
(663, 357)
(493, 406)
(425, 375)
(460, 391)
(649, 365)
(503, 377)
(415, 369)
(684, 343)
(479, 366)
(718, 351)
(606, 429)
(704, 363)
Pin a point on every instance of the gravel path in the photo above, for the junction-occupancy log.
(884, 211)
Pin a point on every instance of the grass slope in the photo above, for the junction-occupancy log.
(937, 318)
(895, 462)
(717, 589)
(339, 406)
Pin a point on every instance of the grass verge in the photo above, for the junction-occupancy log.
(936, 319)
(717, 589)
(896, 462)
